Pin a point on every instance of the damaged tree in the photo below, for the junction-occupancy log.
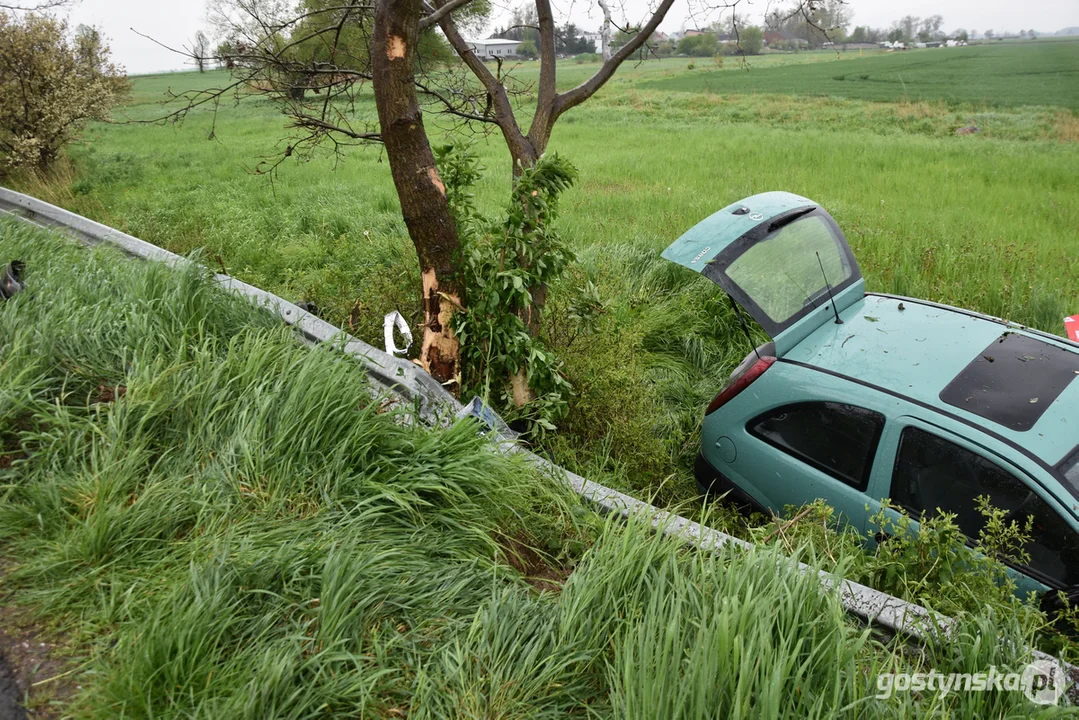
(332, 48)
(419, 187)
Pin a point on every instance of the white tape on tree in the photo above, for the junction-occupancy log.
(394, 319)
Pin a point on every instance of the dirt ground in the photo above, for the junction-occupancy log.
(36, 678)
(10, 693)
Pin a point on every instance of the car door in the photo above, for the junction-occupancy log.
(934, 468)
(802, 451)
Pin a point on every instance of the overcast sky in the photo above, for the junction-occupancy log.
(175, 23)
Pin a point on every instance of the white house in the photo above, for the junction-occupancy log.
(595, 38)
(494, 47)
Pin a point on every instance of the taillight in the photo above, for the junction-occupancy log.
(740, 383)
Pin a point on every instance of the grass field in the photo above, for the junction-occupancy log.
(240, 532)
(223, 523)
(997, 75)
(983, 221)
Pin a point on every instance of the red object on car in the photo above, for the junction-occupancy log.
(1071, 326)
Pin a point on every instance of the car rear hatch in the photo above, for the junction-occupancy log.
(781, 257)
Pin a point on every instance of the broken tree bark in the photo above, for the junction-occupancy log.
(419, 187)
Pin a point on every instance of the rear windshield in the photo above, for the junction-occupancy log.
(1013, 381)
(782, 274)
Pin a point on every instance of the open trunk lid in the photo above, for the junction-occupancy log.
(781, 257)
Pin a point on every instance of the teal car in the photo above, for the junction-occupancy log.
(863, 396)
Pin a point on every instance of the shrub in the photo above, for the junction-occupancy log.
(698, 45)
(507, 260)
(51, 84)
(527, 49)
(751, 40)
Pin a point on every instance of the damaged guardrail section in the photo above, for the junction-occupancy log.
(434, 404)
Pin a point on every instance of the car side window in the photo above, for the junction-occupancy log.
(931, 472)
(835, 438)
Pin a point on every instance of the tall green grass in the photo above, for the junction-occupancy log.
(228, 525)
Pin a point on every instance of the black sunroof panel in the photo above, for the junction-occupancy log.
(1013, 381)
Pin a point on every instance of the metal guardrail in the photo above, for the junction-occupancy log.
(435, 404)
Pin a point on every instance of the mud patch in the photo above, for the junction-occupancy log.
(10, 693)
(538, 571)
(107, 394)
(36, 666)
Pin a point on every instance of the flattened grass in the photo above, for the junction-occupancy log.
(230, 527)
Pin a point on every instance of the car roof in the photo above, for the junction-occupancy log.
(916, 349)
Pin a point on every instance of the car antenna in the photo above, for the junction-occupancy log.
(829, 286)
(745, 328)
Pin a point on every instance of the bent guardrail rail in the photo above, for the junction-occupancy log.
(435, 404)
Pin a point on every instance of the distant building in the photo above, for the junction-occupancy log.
(694, 33)
(494, 47)
(595, 38)
(774, 37)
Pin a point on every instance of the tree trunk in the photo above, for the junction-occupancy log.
(419, 187)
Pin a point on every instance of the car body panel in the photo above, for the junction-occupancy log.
(772, 478)
(700, 245)
(916, 349)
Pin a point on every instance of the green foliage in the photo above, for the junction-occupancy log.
(52, 83)
(934, 567)
(527, 49)
(750, 40)
(704, 45)
(980, 75)
(505, 264)
(227, 524)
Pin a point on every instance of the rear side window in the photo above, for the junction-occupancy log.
(931, 473)
(836, 439)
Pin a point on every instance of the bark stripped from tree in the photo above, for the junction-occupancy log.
(419, 187)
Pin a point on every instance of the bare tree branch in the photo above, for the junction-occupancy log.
(585, 90)
(605, 30)
(35, 7)
(441, 12)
